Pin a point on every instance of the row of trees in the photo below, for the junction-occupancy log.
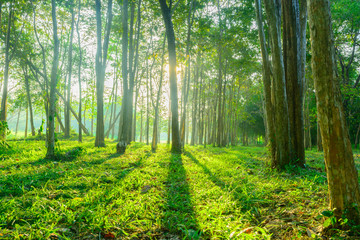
(197, 63)
(284, 80)
(196, 66)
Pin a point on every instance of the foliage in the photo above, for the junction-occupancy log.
(226, 193)
(4, 131)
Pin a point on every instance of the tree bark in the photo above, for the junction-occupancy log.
(342, 175)
(123, 141)
(26, 122)
(282, 134)
(67, 108)
(156, 120)
(195, 103)
(293, 78)
(3, 110)
(357, 138)
(166, 13)
(27, 86)
(219, 131)
(17, 121)
(100, 66)
(50, 130)
(318, 138)
(79, 73)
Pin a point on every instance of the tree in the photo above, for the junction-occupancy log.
(67, 107)
(50, 130)
(3, 109)
(266, 75)
(125, 123)
(282, 135)
(166, 13)
(157, 103)
(342, 176)
(293, 78)
(100, 66)
(79, 73)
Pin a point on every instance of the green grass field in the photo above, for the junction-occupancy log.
(205, 193)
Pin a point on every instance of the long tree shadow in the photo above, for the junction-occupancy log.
(236, 193)
(18, 185)
(179, 214)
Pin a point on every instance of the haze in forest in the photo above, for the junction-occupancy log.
(173, 119)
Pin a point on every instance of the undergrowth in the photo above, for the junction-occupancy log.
(211, 193)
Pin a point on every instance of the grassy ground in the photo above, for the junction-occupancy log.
(212, 193)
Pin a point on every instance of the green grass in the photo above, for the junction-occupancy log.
(212, 193)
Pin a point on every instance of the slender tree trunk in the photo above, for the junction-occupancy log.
(115, 103)
(27, 86)
(219, 131)
(169, 123)
(100, 66)
(124, 130)
(357, 138)
(3, 110)
(156, 120)
(195, 103)
(52, 104)
(342, 175)
(133, 135)
(92, 112)
(67, 109)
(26, 121)
(141, 121)
(17, 122)
(111, 107)
(147, 127)
(79, 72)
(166, 13)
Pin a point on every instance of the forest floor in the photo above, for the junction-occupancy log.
(205, 193)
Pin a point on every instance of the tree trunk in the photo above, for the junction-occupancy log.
(67, 109)
(3, 110)
(293, 78)
(169, 123)
(282, 134)
(342, 175)
(156, 120)
(141, 122)
(166, 13)
(123, 130)
(135, 70)
(17, 122)
(133, 135)
(26, 122)
(219, 131)
(115, 119)
(147, 109)
(50, 130)
(79, 73)
(357, 138)
(27, 86)
(195, 103)
(100, 66)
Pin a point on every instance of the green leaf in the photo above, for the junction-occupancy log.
(327, 222)
(327, 213)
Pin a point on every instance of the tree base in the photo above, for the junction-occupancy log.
(121, 147)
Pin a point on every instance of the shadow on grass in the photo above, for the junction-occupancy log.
(237, 194)
(179, 214)
(18, 184)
